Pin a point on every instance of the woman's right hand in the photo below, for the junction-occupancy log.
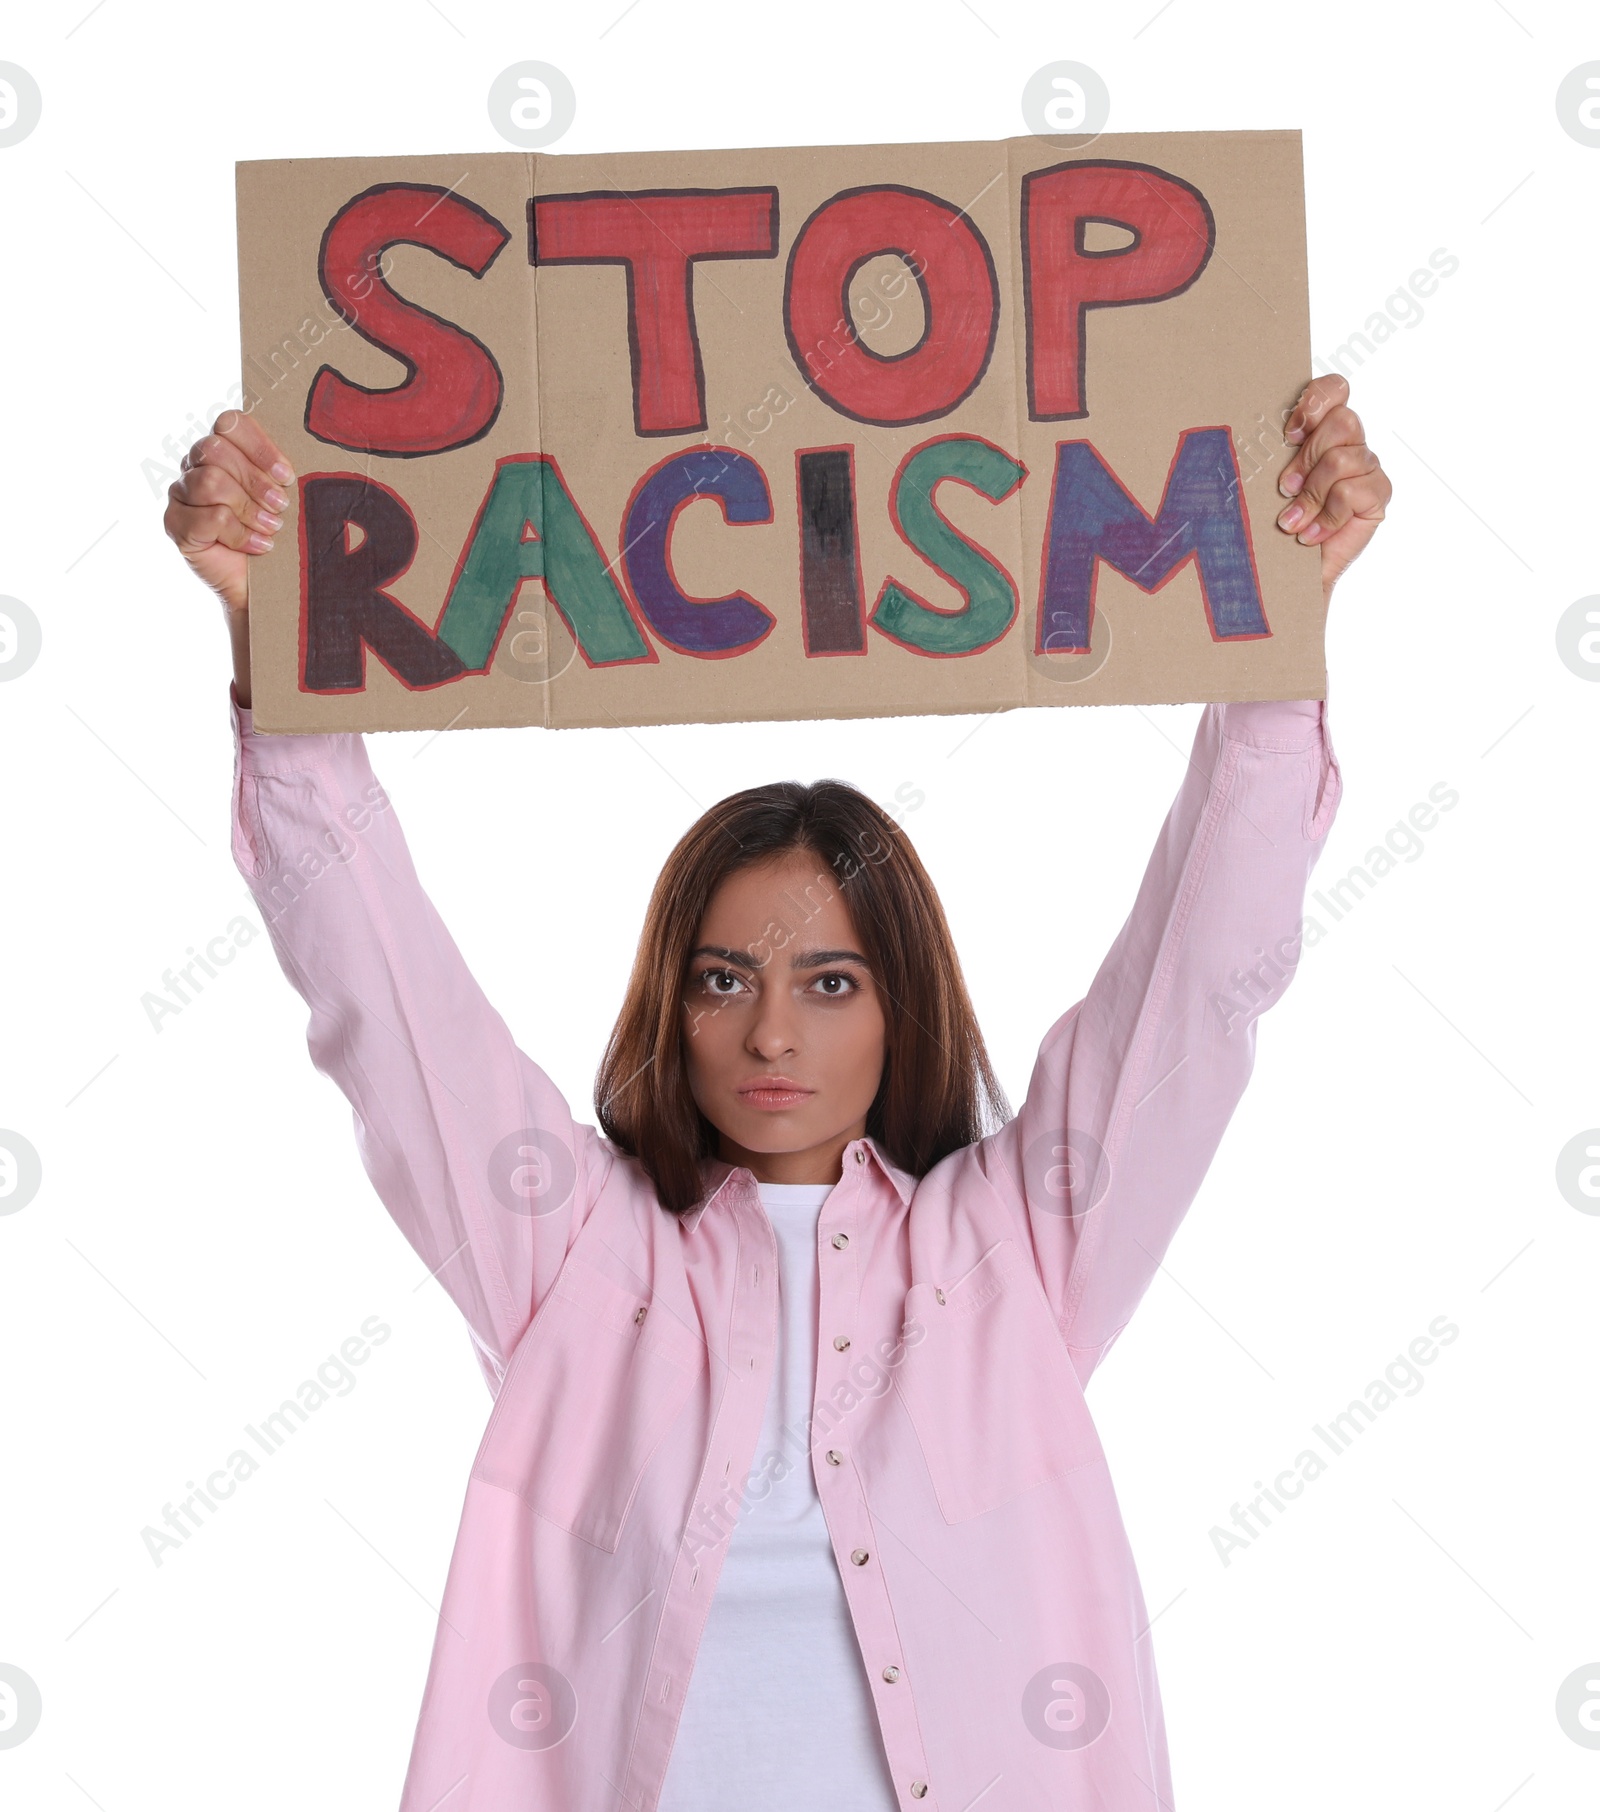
(226, 506)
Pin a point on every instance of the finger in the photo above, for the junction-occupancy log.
(1364, 498)
(195, 527)
(1318, 397)
(213, 484)
(1348, 460)
(247, 434)
(1337, 426)
(219, 454)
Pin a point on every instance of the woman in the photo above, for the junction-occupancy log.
(790, 1496)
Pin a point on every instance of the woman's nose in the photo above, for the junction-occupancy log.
(772, 1035)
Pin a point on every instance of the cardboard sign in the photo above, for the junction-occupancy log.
(837, 432)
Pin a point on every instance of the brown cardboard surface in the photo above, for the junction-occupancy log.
(1222, 360)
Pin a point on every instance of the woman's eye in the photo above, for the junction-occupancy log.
(713, 979)
(836, 986)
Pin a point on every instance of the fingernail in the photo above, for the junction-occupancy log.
(274, 499)
(1310, 534)
(258, 544)
(268, 521)
(1290, 516)
(1291, 482)
(1294, 436)
(283, 472)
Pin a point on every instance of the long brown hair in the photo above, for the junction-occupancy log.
(938, 1091)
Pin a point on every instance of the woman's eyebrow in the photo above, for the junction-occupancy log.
(743, 958)
(802, 959)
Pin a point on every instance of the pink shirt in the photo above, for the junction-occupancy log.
(967, 1498)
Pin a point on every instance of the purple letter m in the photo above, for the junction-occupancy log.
(1093, 518)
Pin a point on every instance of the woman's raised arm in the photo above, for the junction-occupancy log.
(470, 1146)
(1135, 1086)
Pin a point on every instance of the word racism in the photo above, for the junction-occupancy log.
(1400, 1378)
(334, 1377)
(358, 535)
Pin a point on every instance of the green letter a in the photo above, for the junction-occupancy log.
(528, 493)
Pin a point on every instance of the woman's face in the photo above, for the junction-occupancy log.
(784, 1030)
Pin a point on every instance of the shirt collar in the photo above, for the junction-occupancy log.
(718, 1174)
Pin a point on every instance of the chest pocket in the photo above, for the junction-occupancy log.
(596, 1382)
(990, 1389)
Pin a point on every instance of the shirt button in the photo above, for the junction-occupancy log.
(841, 1240)
(861, 1154)
(938, 1296)
(841, 1341)
(919, 1789)
(835, 1458)
(859, 1556)
(891, 1674)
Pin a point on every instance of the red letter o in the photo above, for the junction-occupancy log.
(960, 299)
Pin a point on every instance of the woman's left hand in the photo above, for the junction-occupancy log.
(1340, 491)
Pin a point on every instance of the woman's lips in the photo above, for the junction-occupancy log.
(773, 1095)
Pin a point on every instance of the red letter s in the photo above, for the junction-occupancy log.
(453, 387)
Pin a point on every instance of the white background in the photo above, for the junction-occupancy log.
(205, 1236)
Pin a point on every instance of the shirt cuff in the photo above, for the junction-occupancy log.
(1277, 723)
(261, 752)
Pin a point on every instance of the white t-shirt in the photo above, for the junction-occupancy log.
(778, 1715)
